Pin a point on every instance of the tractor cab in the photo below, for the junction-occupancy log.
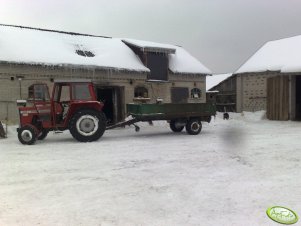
(39, 100)
(37, 108)
(66, 94)
(38, 93)
(73, 106)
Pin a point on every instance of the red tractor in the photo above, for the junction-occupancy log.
(73, 106)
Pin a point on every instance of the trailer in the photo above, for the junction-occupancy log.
(188, 115)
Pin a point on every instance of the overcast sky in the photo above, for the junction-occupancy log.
(222, 34)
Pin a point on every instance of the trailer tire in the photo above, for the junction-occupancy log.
(27, 135)
(174, 127)
(194, 126)
(87, 125)
(43, 134)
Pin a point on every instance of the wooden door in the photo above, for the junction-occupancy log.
(278, 98)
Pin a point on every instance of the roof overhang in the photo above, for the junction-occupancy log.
(150, 48)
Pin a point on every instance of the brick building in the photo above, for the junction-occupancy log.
(123, 70)
(221, 90)
(271, 80)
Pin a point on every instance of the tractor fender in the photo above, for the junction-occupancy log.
(87, 105)
(36, 130)
(95, 105)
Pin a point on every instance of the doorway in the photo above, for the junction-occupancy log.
(113, 100)
(179, 95)
(278, 98)
(298, 98)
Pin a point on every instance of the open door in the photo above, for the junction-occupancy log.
(298, 98)
(113, 99)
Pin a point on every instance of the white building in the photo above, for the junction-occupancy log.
(123, 70)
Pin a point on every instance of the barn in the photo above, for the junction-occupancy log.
(271, 80)
(221, 90)
(123, 70)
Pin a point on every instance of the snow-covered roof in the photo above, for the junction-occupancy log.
(214, 80)
(180, 61)
(150, 46)
(30, 46)
(38, 46)
(183, 62)
(281, 55)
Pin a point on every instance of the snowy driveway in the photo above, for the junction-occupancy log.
(228, 175)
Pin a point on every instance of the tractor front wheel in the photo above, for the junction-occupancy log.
(43, 134)
(87, 125)
(27, 135)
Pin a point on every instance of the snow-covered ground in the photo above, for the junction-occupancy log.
(228, 175)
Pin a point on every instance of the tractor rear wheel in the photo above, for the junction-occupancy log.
(87, 125)
(27, 135)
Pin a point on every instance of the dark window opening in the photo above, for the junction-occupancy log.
(141, 92)
(158, 65)
(85, 53)
(298, 97)
(195, 93)
(179, 95)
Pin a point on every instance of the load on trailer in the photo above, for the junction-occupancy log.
(74, 107)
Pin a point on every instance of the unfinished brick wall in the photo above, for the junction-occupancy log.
(252, 91)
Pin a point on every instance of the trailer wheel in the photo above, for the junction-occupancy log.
(27, 135)
(87, 125)
(194, 126)
(173, 126)
(43, 134)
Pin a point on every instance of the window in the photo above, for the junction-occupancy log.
(85, 53)
(141, 92)
(65, 93)
(81, 92)
(31, 93)
(158, 65)
(41, 92)
(179, 94)
(38, 93)
(195, 93)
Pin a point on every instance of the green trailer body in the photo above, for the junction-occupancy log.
(179, 116)
(146, 112)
